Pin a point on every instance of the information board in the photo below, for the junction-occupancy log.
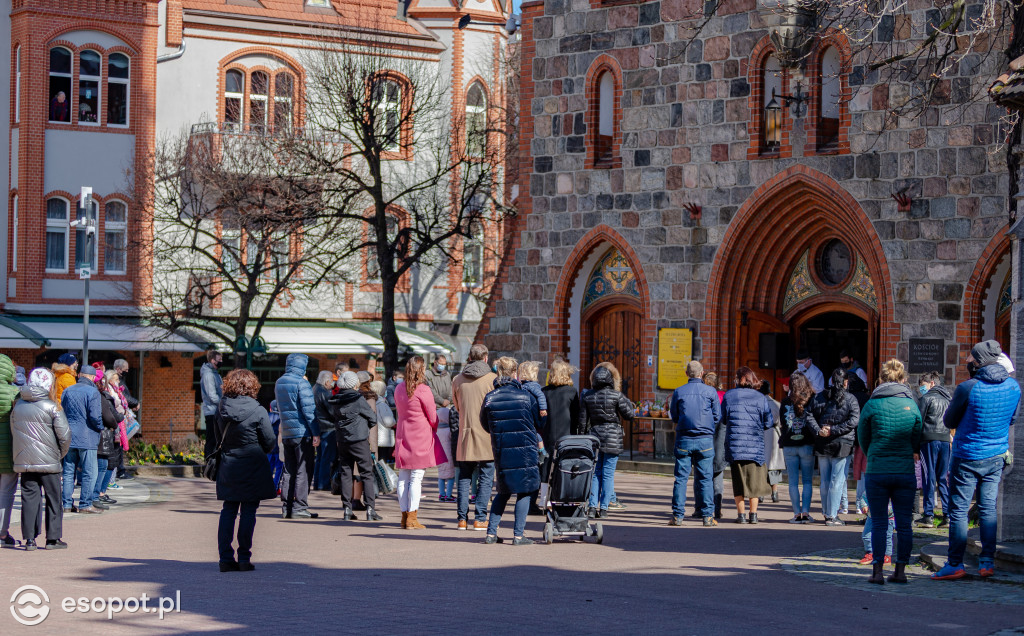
(675, 349)
(927, 354)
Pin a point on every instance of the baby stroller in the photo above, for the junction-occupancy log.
(572, 470)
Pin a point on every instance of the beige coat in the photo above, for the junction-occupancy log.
(468, 390)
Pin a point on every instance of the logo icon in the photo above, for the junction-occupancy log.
(29, 605)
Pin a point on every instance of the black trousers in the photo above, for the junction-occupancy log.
(211, 427)
(298, 471)
(245, 511)
(356, 454)
(33, 487)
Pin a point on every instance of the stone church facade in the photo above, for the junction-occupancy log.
(662, 188)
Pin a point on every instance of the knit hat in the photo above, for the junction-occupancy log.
(348, 380)
(363, 377)
(41, 377)
(67, 359)
(92, 373)
(986, 353)
(100, 367)
(19, 376)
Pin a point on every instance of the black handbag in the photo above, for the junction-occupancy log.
(212, 464)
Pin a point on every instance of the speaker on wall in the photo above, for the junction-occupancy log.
(773, 350)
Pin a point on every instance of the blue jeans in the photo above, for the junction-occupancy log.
(446, 487)
(483, 492)
(498, 509)
(327, 452)
(699, 452)
(866, 534)
(935, 457)
(103, 472)
(965, 477)
(603, 485)
(800, 468)
(84, 459)
(900, 489)
(833, 483)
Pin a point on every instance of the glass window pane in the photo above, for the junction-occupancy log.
(57, 209)
(60, 60)
(257, 114)
(116, 212)
(114, 257)
(55, 250)
(282, 116)
(88, 101)
(60, 98)
(89, 63)
(118, 66)
(233, 110)
(234, 82)
(283, 85)
(259, 83)
(117, 104)
(475, 96)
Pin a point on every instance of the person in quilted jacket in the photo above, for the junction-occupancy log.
(604, 408)
(981, 412)
(836, 414)
(8, 478)
(512, 417)
(889, 432)
(747, 414)
(299, 436)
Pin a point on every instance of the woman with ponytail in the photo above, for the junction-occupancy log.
(836, 414)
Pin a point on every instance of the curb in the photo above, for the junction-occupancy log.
(169, 470)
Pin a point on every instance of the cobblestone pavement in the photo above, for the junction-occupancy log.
(330, 576)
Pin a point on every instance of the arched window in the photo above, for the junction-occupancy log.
(60, 84)
(830, 97)
(259, 85)
(605, 118)
(115, 255)
(118, 78)
(387, 112)
(284, 84)
(234, 93)
(476, 120)
(473, 255)
(772, 112)
(17, 84)
(14, 233)
(57, 235)
(89, 77)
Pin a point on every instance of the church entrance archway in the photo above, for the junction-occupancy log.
(613, 334)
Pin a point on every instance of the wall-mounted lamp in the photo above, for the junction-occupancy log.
(694, 209)
(903, 201)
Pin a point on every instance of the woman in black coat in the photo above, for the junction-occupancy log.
(603, 409)
(563, 415)
(244, 479)
(511, 416)
(836, 415)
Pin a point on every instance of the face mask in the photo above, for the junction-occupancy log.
(923, 389)
(801, 367)
(440, 368)
(847, 365)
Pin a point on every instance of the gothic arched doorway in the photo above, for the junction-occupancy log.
(613, 334)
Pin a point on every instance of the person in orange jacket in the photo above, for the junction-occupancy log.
(66, 371)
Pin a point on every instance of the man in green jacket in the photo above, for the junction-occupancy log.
(8, 478)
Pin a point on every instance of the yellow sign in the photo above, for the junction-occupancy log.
(675, 349)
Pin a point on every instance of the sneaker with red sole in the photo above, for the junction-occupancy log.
(986, 568)
(950, 573)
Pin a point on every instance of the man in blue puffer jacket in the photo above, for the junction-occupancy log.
(83, 407)
(300, 434)
(981, 412)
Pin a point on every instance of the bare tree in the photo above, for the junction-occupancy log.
(402, 165)
(239, 229)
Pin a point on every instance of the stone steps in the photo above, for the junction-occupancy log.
(1009, 558)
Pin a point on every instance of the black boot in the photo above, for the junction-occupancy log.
(900, 575)
(371, 514)
(876, 574)
(347, 514)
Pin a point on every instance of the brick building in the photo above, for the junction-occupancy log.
(673, 186)
(94, 84)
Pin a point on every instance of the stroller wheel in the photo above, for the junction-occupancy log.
(598, 532)
(549, 531)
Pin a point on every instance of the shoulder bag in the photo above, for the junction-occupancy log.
(212, 464)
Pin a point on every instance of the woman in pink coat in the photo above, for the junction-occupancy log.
(416, 445)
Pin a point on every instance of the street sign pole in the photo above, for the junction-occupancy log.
(85, 268)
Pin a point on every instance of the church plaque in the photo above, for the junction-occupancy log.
(927, 354)
(675, 349)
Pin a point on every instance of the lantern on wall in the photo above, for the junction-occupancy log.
(773, 123)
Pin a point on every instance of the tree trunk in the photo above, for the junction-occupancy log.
(388, 332)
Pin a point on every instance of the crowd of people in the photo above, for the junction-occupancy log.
(61, 427)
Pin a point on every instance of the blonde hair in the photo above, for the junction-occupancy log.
(506, 367)
(414, 374)
(528, 371)
(111, 374)
(616, 376)
(711, 379)
(893, 371)
(561, 373)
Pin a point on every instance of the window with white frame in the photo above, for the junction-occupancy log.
(57, 235)
(318, 3)
(283, 90)
(234, 93)
(476, 120)
(17, 84)
(281, 255)
(82, 256)
(473, 255)
(14, 232)
(258, 91)
(115, 234)
(118, 78)
(387, 112)
(230, 257)
(60, 84)
(89, 77)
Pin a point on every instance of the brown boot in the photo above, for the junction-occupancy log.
(877, 576)
(412, 523)
(900, 575)
(405, 519)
